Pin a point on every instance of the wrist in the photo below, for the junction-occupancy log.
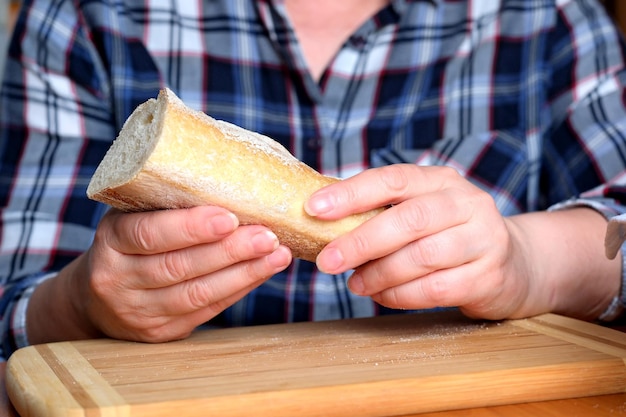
(54, 311)
(77, 298)
(570, 268)
(535, 295)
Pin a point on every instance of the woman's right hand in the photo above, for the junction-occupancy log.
(156, 276)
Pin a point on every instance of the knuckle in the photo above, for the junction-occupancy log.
(189, 226)
(392, 298)
(448, 172)
(395, 179)
(437, 290)
(350, 194)
(230, 249)
(479, 199)
(199, 294)
(256, 270)
(360, 243)
(109, 231)
(471, 200)
(98, 285)
(486, 201)
(102, 280)
(142, 234)
(174, 265)
(427, 252)
(414, 217)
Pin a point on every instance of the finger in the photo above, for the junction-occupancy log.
(165, 230)
(174, 327)
(443, 288)
(378, 187)
(218, 290)
(210, 311)
(395, 228)
(170, 268)
(420, 258)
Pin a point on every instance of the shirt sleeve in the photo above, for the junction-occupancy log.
(55, 126)
(14, 301)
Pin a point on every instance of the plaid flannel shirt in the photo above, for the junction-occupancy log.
(523, 97)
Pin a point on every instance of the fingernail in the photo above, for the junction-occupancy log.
(224, 223)
(320, 204)
(330, 260)
(356, 285)
(265, 241)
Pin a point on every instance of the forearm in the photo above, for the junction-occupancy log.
(570, 272)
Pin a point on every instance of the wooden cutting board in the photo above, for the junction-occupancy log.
(382, 366)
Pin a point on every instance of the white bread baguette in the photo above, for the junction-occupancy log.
(169, 156)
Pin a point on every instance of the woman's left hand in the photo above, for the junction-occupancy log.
(442, 242)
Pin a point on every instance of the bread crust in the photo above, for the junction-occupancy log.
(190, 159)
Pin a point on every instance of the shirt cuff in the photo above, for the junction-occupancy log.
(18, 319)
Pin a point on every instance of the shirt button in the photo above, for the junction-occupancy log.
(358, 41)
(314, 143)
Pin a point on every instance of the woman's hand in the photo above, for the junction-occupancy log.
(443, 242)
(156, 276)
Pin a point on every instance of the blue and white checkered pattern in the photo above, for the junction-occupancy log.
(523, 97)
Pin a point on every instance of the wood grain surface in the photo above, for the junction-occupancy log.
(382, 366)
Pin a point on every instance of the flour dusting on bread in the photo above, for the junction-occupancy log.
(255, 140)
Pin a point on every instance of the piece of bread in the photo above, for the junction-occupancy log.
(168, 156)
